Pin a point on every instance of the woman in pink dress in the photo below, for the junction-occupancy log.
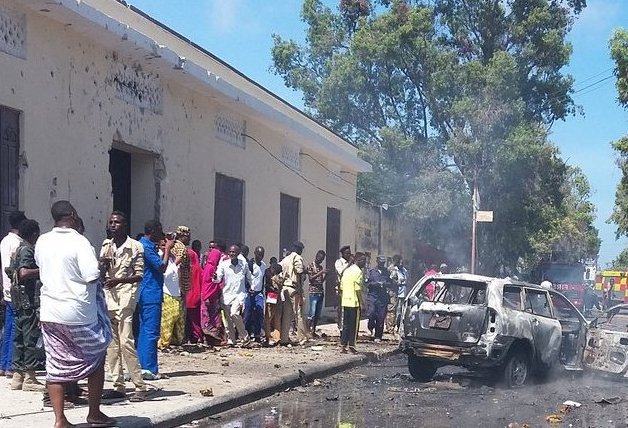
(211, 318)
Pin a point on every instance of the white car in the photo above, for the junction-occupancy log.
(516, 327)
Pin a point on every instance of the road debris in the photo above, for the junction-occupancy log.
(609, 400)
(554, 419)
(207, 392)
(571, 403)
(332, 398)
(302, 378)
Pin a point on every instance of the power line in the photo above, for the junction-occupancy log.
(334, 173)
(594, 83)
(294, 171)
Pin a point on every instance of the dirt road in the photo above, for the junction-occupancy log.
(384, 395)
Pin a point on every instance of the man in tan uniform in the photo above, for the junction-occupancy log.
(122, 266)
(292, 293)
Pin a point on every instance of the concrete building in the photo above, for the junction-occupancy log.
(105, 107)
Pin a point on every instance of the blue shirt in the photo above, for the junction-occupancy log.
(151, 288)
(377, 280)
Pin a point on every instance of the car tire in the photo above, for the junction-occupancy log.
(421, 369)
(516, 371)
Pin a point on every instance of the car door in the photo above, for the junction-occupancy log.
(606, 350)
(573, 331)
(546, 330)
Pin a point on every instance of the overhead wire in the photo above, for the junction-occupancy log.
(304, 178)
(313, 184)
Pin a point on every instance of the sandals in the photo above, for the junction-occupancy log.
(113, 395)
(109, 422)
(138, 397)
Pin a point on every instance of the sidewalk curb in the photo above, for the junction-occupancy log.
(251, 394)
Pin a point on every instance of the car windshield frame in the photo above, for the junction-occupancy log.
(466, 292)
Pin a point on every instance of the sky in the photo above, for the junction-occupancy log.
(240, 33)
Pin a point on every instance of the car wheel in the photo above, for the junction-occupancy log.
(516, 369)
(421, 369)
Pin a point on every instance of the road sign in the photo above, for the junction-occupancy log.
(484, 216)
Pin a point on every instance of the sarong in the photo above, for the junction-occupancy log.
(172, 322)
(74, 352)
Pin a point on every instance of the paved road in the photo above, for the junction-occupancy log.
(384, 395)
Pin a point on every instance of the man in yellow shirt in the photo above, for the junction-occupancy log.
(351, 289)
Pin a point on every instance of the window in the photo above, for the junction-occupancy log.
(537, 303)
(563, 309)
(229, 209)
(459, 292)
(427, 292)
(512, 297)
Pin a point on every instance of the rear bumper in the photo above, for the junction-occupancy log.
(482, 354)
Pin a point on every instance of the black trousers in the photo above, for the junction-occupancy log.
(350, 320)
(377, 307)
(26, 355)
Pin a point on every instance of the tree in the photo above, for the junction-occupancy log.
(620, 262)
(438, 95)
(619, 53)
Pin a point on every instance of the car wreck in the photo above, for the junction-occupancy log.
(519, 328)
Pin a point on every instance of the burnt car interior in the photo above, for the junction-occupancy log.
(536, 303)
(571, 325)
(463, 292)
(512, 297)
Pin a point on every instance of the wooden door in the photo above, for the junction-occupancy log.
(229, 209)
(332, 245)
(9, 165)
(288, 222)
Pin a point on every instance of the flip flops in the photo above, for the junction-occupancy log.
(109, 422)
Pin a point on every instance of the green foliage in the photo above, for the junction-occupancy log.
(619, 53)
(620, 211)
(620, 262)
(443, 95)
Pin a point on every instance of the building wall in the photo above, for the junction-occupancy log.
(75, 109)
(398, 236)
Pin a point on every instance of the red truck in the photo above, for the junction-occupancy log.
(567, 278)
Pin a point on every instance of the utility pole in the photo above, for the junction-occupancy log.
(379, 232)
(475, 202)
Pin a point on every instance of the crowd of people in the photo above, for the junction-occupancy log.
(117, 309)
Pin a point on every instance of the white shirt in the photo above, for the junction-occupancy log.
(8, 245)
(257, 283)
(69, 273)
(171, 278)
(234, 290)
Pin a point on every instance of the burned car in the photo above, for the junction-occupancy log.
(515, 327)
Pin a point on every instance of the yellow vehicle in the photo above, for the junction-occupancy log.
(613, 286)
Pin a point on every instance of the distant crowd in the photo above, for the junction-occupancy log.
(139, 296)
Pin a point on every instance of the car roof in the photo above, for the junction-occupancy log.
(489, 279)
